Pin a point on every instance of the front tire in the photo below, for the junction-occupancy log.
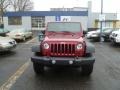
(38, 68)
(86, 69)
(113, 42)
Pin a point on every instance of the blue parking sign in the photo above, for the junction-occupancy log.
(57, 18)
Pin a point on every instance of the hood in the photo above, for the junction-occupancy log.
(63, 35)
(13, 33)
(5, 39)
(90, 32)
(116, 32)
(64, 39)
(97, 32)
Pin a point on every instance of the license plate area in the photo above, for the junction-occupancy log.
(63, 61)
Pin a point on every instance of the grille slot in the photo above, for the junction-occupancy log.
(62, 49)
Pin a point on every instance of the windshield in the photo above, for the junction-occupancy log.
(104, 30)
(117, 29)
(18, 30)
(67, 27)
(3, 30)
(107, 30)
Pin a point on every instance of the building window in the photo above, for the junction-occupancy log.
(106, 24)
(14, 20)
(38, 22)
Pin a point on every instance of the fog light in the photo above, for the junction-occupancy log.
(53, 61)
(70, 62)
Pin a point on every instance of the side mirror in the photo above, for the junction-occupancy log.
(84, 32)
(43, 31)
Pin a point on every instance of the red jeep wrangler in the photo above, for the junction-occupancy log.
(63, 44)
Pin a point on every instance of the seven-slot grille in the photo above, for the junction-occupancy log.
(62, 49)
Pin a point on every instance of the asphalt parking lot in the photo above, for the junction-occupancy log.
(16, 72)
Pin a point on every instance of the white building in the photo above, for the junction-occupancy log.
(37, 20)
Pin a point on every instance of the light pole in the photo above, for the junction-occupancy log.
(101, 38)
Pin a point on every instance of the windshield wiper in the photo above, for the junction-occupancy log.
(68, 32)
(52, 31)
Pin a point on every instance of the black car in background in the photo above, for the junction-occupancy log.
(106, 33)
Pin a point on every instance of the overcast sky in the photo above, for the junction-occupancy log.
(45, 5)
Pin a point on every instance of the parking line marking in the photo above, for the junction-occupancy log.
(12, 80)
(31, 40)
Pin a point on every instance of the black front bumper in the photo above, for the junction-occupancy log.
(72, 61)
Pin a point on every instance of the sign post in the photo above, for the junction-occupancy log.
(101, 18)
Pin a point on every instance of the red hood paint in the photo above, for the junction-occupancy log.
(63, 36)
(55, 39)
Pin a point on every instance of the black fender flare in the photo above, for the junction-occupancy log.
(90, 48)
(36, 48)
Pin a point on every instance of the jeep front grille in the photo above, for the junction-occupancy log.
(62, 49)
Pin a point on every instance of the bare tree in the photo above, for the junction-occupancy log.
(14, 4)
(3, 6)
(21, 5)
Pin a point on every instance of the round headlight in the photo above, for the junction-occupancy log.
(79, 46)
(46, 45)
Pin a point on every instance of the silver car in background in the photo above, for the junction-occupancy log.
(20, 34)
(7, 44)
(115, 36)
